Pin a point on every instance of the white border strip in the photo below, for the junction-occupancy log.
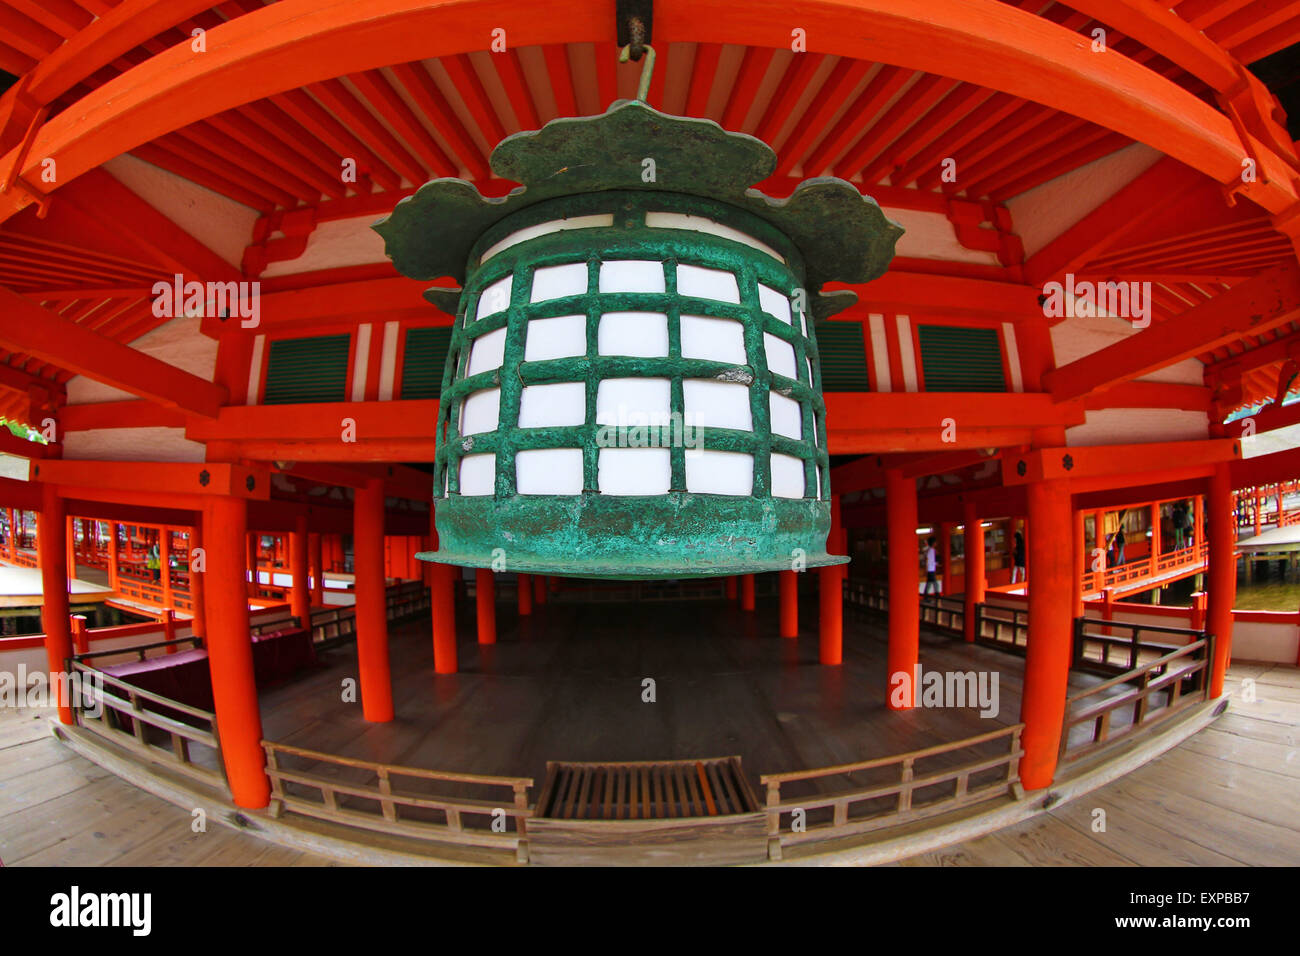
(1013, 357)
(906, 352)
(255, 370)
(880, 352)
(388, 362)
(360, 363)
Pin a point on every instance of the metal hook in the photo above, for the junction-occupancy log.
(647, 68)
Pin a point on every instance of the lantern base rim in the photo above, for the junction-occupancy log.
(624, 571)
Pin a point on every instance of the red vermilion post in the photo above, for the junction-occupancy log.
(230, 650)
(945, 551)
(316, 568)
(51, 556)
(830, 645)
(525, 592)
(904, 579)
(300, 594)
(70, 549)
(485, 604)
(974, 585)
(1222, 583)
(539, 589)
(442, 597)
(789, 588)
(731, 588)
(1080, 545)
(198, 594)
(80, 637)
(1047, 656)
(371, 604)
(747, 592)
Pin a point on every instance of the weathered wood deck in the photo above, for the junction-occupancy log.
(569, 686)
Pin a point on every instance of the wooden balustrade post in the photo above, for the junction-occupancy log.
(169, 629)
(80, 638)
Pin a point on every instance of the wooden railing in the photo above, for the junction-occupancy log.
(137, 720)
(406, 600)
(946, 613)
(1143, 568)
(336, 625)
(140, 650)
(866, 594)
(371, 800)
(1003, 627)
(1098, 649)
(1148, 693)
(830, 816)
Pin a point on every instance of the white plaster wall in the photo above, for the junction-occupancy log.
(341, 242)
(1046, 211)
(1129, 426)
(178, 342)
(930, 235)
(132, 444)
(1276, 643)
(221, 224)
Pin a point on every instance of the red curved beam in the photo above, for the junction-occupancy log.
(298, 42)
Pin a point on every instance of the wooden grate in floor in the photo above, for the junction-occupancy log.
(651, 790)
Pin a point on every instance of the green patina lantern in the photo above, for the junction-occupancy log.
(632, 388)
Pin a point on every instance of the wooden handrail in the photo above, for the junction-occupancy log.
(1136, 672)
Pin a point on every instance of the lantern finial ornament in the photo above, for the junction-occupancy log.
(633, 384)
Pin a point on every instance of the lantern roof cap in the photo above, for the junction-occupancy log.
(842, 235)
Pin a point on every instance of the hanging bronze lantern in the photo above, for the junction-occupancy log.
(632, 388)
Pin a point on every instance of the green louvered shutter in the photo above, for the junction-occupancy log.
(423, 361)
(960, 359)
(843, 357)
(307, 370)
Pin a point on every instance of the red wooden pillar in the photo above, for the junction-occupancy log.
(300, 596)
(1155, 537)
(70, 548)
(1259, 518)
(1047, 656)
(731, 588)
(945, 551)
(789, 590)
(1198, 520)
(904, 607)
(1080, 545)
(485, 603)
(539, 589)
(165, 565)
(1222, 583)
(747, 592)
(524, 588)
(252, 545)
(372, 610)
(316, 568)
(112, 555)
(1098, 544)
(230, 650)
(443, 599)
(12, 543)
(1197, 617)
(975, 581)
(51, 556)
(830, 645)
(198, 581)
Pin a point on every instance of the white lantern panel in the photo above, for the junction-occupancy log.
(634, 471)
(701, 283)
(487, 352)
(478, 474)
(780, 355)
(774, 303)
(678, 220)
(632, 275)
(710, 404)
(495, 298)
(561, 403)
(787, 476)
(633, 401)
(787, 416)
(480, 412)
(633, 333)
(556, 282)
(810, 374)
(722, 340)
(549, 471)
(561, 337)
(720, 473)
(546, 229)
